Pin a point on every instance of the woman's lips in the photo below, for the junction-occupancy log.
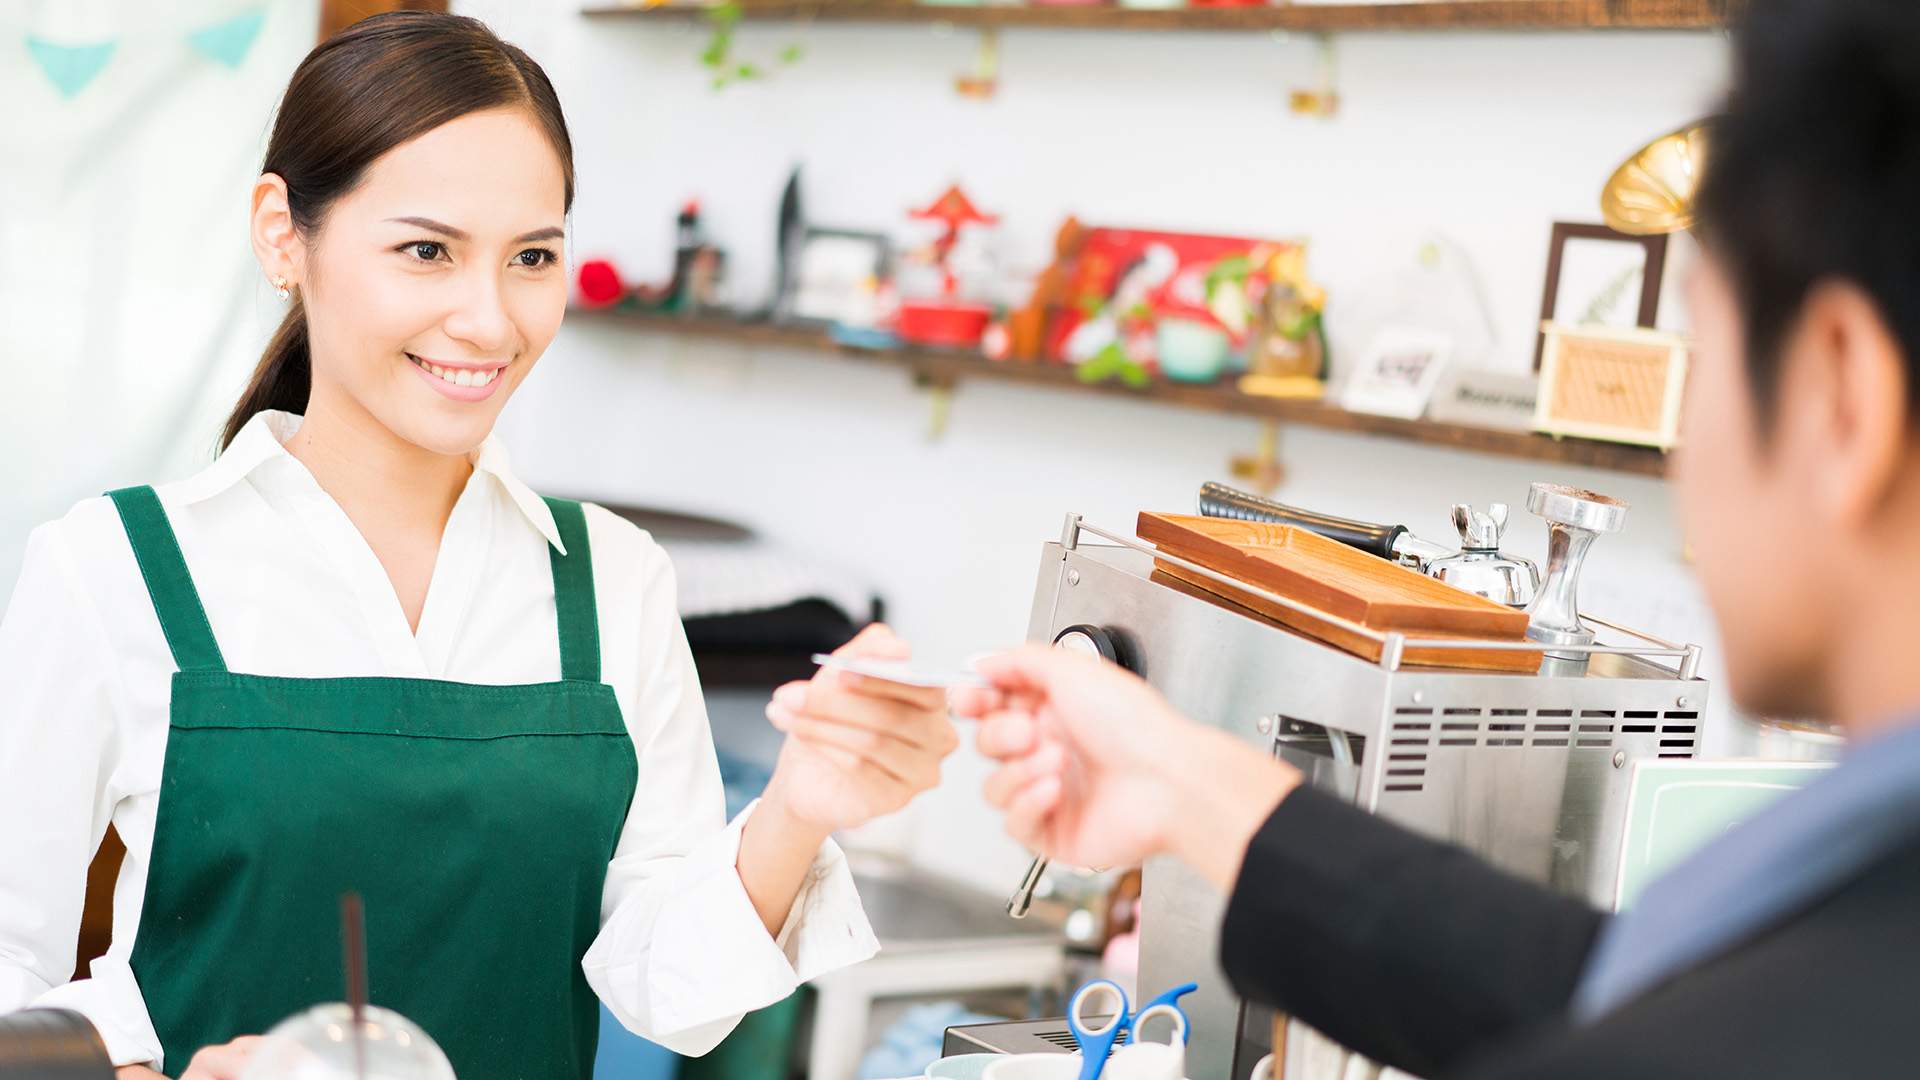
(461, 383)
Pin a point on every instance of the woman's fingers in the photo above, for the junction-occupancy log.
(222, 1062)
(918, 697)
(876, 642)
(899, 760)
(927, 728)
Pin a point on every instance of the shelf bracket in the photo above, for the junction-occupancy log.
(984, 81)
(939, 390)
(1262, 469)
(1323, 99)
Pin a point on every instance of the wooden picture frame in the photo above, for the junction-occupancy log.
(1615, 385)
(1654, 250)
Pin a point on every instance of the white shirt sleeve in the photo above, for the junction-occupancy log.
(60, 697)
(681, 953)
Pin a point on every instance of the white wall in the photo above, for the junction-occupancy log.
(1486, 138)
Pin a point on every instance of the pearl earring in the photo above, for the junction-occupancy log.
(280, 288)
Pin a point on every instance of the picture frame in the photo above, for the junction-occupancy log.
(1399, 372)
(830, 267)
(1616, 385)
(1599, 277)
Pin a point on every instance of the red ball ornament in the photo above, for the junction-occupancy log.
(600, 283)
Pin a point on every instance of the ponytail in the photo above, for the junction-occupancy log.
(283, 378)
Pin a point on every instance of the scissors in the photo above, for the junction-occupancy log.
(1096, 1043)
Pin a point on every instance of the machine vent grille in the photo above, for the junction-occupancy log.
(1063, 1038)
(1417, 730)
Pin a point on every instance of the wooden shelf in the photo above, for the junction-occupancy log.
(947, 368)
(1315, 18)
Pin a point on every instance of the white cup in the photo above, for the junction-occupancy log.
(961, 1067)
(1035, 1067)
(1264, 1070)
(1147, 1061)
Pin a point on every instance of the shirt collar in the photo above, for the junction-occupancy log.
(263, 440)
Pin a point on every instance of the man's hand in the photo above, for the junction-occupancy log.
(1097, 769)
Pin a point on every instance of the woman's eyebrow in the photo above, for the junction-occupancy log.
(432, 226)
(551, 232)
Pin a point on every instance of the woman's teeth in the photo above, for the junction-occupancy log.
(459, 376)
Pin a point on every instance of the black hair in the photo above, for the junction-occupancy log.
(1813, 170)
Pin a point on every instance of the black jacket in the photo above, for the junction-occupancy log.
(1421, 956)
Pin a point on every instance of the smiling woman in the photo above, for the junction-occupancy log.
(358, 654)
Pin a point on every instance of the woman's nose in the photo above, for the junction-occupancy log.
(480, 318)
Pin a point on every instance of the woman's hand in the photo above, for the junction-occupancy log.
(857, 748)
(223, 1062)
(1097, 769)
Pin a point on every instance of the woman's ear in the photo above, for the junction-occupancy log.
(276, 242)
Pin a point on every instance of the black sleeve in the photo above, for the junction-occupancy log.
(1413, 952)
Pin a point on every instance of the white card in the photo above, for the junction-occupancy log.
(902, 672)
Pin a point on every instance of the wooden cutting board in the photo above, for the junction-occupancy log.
(1342, 581)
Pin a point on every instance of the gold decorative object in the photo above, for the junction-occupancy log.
(1652, 191)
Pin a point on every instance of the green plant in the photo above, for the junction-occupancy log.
(1113, 362)
(718, 56)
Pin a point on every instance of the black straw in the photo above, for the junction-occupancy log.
(353, 946)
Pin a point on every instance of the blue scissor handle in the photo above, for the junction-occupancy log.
(1097, 1043)
(1171, 999)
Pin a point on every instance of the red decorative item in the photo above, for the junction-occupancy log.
(947, 320)
(600, 284)
(949, 323)
(953, 209)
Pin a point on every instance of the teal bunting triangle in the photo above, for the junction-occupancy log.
(227, 41)
(69, 67)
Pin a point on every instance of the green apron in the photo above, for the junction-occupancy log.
(475, 821)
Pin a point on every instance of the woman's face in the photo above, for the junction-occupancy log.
(432, 288)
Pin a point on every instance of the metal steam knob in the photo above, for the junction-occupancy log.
(1480, 567)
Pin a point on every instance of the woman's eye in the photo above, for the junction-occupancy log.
(425, 250)
(534, 258)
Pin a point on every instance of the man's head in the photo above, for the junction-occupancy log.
(1797, 482)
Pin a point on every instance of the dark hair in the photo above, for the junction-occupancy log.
(381, 82)
(1813, 170)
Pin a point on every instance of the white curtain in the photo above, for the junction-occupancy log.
(131, 308)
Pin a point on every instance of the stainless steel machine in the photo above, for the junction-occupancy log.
(1529, 770)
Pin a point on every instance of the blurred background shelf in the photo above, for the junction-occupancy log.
(1313, 18)
(946, 369)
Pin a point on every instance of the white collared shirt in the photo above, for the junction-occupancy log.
(292, 589)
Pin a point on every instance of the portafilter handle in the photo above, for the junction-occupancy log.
(1574, 517)
(1022, 900)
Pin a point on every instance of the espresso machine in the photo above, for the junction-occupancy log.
(1529, 770)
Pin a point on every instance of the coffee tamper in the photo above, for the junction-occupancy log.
(1574, 517)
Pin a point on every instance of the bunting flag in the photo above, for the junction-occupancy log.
(228, 41)
(72, 67)
(69, 67)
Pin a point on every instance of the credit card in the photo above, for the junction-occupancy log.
(903, 672)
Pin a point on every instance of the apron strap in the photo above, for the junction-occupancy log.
(182, 617)
(573, 594)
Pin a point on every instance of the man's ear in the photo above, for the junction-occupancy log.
(1845, 396)
(276, 242)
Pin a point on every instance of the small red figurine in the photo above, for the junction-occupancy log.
(949, 320)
